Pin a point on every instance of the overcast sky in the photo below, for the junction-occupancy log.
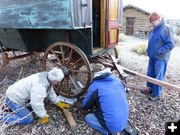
(170, 9)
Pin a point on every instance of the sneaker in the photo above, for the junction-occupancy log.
(154, 98)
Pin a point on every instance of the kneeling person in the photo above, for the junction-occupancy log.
(107, 93)
(32, 89)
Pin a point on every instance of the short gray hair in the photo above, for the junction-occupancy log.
(97, 67)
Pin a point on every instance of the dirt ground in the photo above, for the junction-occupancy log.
(147, 117)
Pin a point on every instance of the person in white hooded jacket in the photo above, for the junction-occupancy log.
(32, 89)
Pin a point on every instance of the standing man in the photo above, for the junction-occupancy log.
(108, 94)
(32, 90)
(160, 44)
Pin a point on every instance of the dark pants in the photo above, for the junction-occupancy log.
(157, 70)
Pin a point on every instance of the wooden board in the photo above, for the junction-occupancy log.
(113, 22)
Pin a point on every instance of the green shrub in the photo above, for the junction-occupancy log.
(140, 49)
(122, 37)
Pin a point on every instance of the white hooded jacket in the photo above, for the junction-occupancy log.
(34, 88)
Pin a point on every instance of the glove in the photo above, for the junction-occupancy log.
(63, 105)
(43, 120)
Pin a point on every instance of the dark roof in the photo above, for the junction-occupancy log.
(137, 8)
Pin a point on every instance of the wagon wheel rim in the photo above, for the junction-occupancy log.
(75, 61)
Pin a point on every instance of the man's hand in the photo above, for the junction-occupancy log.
(43, 120)
(63, 105)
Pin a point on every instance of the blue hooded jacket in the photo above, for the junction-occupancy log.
(161, 42)
(107, 93)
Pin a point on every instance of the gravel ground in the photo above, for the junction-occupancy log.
(147, 117)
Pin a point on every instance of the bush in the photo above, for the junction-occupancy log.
(122, 37)
(176, 38)
(140, 49)
(177, 32)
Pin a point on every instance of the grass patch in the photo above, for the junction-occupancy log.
(122, 37)
(177, 32)
(177, 39)
(140, 49)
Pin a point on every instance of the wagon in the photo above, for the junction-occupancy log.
(70, 33)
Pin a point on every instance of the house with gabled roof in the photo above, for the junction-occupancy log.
(135, 21)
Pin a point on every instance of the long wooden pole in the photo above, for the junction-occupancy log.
(152, 80)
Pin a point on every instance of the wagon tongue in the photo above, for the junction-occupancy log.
(65, 70)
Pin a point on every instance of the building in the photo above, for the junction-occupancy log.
(135, 21)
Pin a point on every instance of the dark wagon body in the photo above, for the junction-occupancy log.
(33, 25)
(67, 31)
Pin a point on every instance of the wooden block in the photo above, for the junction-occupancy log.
(70, 119)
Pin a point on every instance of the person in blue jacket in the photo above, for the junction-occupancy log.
(160, 44)
(108, 94)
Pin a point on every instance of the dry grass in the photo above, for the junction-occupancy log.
(122, 37)
(177, 39)
(177, 32)
(140, 49)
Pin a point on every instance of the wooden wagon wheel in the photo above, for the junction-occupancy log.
(75, 61)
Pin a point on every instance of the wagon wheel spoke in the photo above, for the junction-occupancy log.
(104, 59)
(60, 86)
(68, 87)
(63, 58)
(70, 57)
(78, 79)
(53, 62)
(56, 57)
(80, 71)
(75, 63)
(74, 84)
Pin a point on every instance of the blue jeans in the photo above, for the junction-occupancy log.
(22, 114)
(157, 70)
(92, 121)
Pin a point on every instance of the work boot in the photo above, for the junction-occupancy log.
(147, 91)
(154, 98)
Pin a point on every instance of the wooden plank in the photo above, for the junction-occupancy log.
(113, 34)
(96, 50)
(119, 68)
(103, 32)
(114, 4)
(70, 119)
(113, 22)
(152, 80)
